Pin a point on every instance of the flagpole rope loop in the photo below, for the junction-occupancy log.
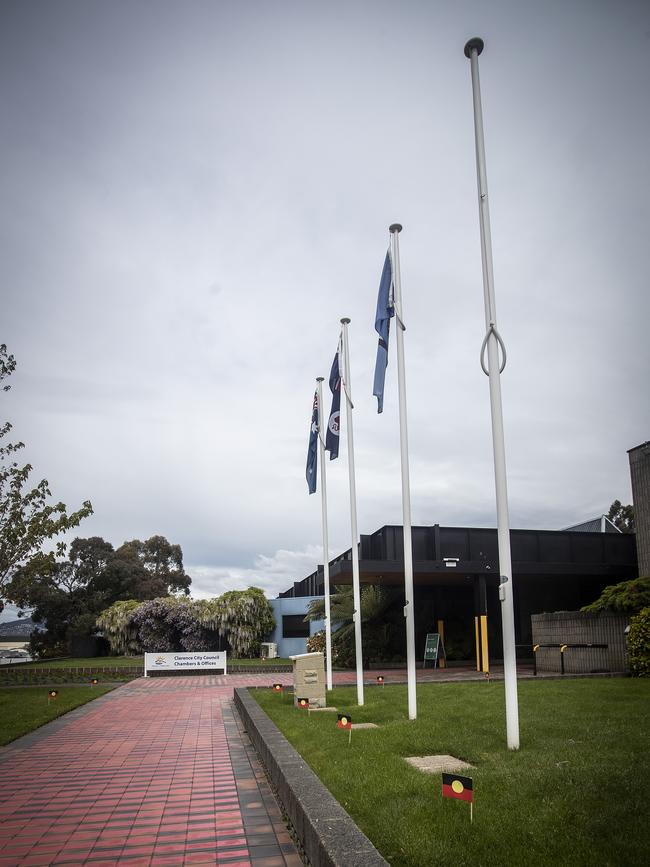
(493, 330)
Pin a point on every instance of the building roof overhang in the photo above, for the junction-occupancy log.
(439, 573)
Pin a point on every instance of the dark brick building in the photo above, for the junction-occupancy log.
(640, 477)
(456, 576)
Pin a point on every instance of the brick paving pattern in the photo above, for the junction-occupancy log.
(157, 772)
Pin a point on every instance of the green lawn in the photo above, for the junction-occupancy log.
(25, 708)
(573, 794)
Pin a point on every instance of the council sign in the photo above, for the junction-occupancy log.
(184, 661)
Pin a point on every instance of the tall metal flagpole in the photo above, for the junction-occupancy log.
(326, 547)
(493, 340)
(356, 590)
(395, 229)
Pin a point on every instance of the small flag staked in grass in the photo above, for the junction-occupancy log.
(276, 687)
(94, 681)
(344, 721)
(52, 694)
(461, 788)
(380, 679)
(303, 703)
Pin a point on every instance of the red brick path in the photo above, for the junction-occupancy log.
(155, 773)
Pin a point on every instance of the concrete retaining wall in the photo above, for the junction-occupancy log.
(578, 627)
(328, 835)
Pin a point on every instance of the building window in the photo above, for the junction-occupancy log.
(294, 626)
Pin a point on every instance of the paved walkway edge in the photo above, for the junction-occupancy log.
(326, 832)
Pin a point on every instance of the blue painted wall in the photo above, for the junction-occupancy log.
(298, 605)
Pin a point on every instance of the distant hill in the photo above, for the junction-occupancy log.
(19, 628)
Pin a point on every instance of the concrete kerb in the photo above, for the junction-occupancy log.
(326, 832)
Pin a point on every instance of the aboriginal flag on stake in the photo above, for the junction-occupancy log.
(276, 687)
(454, 786)
(303, 702)
(344, 721)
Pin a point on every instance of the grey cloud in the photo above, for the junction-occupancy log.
(194, 197)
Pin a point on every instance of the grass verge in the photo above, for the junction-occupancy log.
(87, 662)
(106, 668)
(573, 794)
(24, 709)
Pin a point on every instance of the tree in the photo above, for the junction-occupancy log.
(627, 596)
(381, 634)
(27, 517)
(638, 644)
(124, 577)
(171, 624)
(90, 557)
(69, 595)
(118, 628)
(243, 617)
(160, 567)
(59, 597)
(622, 517)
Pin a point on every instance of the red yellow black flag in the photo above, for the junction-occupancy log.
(276, 687)
(303, 702)
(344, 721)
(454, 786)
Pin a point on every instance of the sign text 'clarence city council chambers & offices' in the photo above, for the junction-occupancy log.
(184, 661)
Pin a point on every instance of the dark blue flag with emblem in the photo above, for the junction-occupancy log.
(385, 311)
(312, 451)
(332, 437)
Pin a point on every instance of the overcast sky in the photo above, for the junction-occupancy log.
(193, 195)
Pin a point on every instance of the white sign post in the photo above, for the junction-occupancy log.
(184, 661)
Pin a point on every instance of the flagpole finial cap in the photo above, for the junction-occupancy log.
(320, 378)
(395, 227)
(476, 43)
(345, 320)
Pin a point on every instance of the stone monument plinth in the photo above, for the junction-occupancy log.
(309, 678)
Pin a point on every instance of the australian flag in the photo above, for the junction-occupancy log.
(385, 311)
(332, 437)
(312, 451)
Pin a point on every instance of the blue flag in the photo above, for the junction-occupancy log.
(385, 311)
(334, 423)
(312, 451)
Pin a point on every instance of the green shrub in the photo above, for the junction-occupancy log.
(628, 596)
(638, 644)
(242, 617)
(316, 642)
(383, 628)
